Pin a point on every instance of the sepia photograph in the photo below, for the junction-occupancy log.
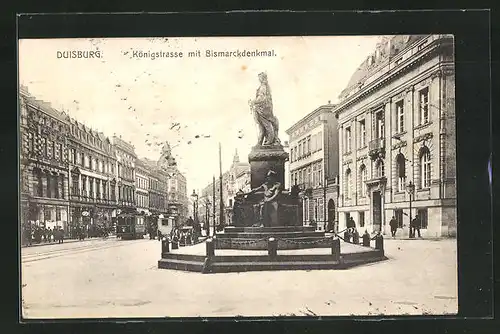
(237, 176)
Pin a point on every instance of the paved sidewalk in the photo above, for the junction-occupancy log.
(46, 243)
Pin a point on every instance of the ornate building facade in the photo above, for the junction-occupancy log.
(125, 174)
(142, 189)
(313, 143)
(92, 178)
(397, 137)
(43, 164)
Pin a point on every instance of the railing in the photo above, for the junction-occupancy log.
(377, 144)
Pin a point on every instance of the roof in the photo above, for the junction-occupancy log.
(308, 117)
(388, 47)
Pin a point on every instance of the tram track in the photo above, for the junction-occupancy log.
(27, 258)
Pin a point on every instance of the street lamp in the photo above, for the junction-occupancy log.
(324, 203)
(194, 196)
(207, 215)
(410, 188)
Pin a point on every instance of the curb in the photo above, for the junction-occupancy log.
(65, 242)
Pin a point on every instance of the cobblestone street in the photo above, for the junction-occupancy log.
(115, 278)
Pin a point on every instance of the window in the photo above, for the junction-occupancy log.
(308, 144)
(292, 158)
(320, 209)
(315, 180)
(424, 105)
(47, 214)
(61, 150)
(398, 215)
(361, 218)
(314, 142)
(425, 168)
(348, 178)
(320, 172)
(348, 139)
(91, 187)
(379, 167)
(401, 171)
(308, 177)
(362, 133)
(39, 183)
(58, 214)
(423, 217)
(49, 183)
(55, 186)
(400, 117)
(74, 185)
(363, 177)
(380, 124)
(319, 143)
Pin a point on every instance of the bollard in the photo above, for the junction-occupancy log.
(210, 247)
(164, 246)
(336, 248)
(272, 247)
(379, 243)
(355, 237)
(366, 239)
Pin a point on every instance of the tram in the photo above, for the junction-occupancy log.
(130, 226)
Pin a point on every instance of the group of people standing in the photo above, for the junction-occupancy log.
(39, 234)
(415, 226)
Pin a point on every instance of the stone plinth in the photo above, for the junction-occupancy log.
(286, 212)
(265, 158)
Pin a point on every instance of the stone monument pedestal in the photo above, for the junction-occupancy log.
(265, 158)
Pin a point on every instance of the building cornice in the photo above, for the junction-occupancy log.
(318, 111)
(423, 55)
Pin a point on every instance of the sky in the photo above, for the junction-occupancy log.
(192, 102)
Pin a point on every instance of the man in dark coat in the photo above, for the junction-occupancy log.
(416, 226)
(394, 226)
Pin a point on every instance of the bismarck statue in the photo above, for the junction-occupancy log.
(262, 109)
(268, 204)
(268, 154)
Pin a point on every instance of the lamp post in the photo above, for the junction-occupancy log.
(207, 215)
(194, 196)
(324, 203)
(410, 188)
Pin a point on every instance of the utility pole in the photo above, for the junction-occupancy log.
(221, 213)
(213, 202)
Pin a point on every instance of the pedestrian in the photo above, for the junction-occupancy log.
(417, 224)
(394, 226)
(49, 234)
(61, 235)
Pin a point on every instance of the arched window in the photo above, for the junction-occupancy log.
(363, 177)
(401, 171)
(348, 178)
(425, 167)
(379, 168)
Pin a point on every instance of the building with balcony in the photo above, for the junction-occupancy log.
(92, 179)
(313, 143)
(43, 164)
(397, 137)
(142, 189)
(125, 174)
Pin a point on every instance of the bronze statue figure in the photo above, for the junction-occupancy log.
(262, 108)
(271, 189)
